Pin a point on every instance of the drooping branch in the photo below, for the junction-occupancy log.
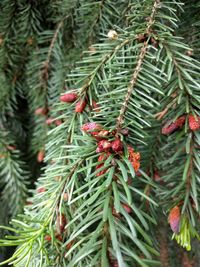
(45, 69)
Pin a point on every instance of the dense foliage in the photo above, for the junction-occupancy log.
(99, 132)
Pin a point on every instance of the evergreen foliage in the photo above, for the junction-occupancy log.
(100, 173)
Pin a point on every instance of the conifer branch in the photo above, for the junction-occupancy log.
(104, 60)
(96, 20)
(50, 50)
(94, 203)
(137, 70)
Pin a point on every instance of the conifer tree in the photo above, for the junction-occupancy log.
(99, 141)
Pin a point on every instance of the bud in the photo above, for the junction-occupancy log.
(68, 98)
(90, 126)
(134, 158)
(100, 135)
(136, 165)
(49, 121)
(112, 35)
(169, 129)
(103, 133)
(103, 145)
(137, 156)
(80, 106)
(180, 121)
(40, 111)
(40, 156)
(174, 219)
(194, 123)
(47, 238)
(58, 122)
(117, 145)
(41, 189)
(61, 222)
(127, 208)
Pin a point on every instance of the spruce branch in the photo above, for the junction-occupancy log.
(184, 90)
(51, 48)
(14, 180)
(94, 205)
(130, 88)
(137, 68)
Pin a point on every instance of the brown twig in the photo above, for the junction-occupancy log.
(120, 119)
(162, 113)
(45, 69)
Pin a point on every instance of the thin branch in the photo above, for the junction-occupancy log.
(105, 58)
(51, 47)
(120, 119)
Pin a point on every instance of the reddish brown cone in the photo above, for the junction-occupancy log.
(68, 98)
(103, 145)
(100, 135)
(169, 128)
(174, 219)
(90, 126)
(127, 208)
(117, 145)
(40, 156)
(180, 121)
(194, 123)
(80, 106)
(40, 111)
